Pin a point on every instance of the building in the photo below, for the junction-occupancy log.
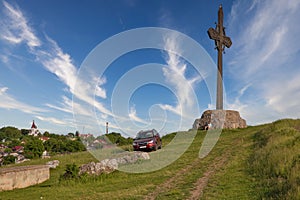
(34, 130)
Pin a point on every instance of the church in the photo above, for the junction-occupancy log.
(34, 130)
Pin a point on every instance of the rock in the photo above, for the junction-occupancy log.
(110, 165)
(224, 119)
(144, 156)
(53, 164)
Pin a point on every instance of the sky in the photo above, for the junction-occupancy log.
(140, 64)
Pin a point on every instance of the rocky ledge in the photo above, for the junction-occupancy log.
(110, 165)
(224, 119)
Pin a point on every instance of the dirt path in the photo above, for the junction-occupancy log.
(171, 182)
(202, 181)
(199, 186)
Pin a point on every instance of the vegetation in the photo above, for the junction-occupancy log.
(11, 137)
(261, 162)
(275, 160)
(71, 172)
(8, 160)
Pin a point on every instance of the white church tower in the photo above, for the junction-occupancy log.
(34, 131)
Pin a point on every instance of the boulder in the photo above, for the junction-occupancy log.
(53, 164)
(110, 165)
(224, 119)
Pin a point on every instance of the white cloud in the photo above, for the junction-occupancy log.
(15, 29)
(67, 106)
(58, 63)
(54, 60)
(133, 116)
(3, 90)
(9, 102)
(100, 91)
(52, 120)
(175, 74)
(265, 56)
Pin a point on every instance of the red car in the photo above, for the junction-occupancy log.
(147, 140)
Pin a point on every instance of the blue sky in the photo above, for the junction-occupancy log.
(44, 46)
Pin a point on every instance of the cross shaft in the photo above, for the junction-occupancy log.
(221, 41)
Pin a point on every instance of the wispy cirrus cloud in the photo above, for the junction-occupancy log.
(133, 116)
(175, 75)
(52, 120)
(15, 28)
(9, 102)
(265, 55)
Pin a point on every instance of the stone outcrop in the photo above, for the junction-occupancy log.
(110, 165)
(53, 164)
(21, 177)
(224, 119)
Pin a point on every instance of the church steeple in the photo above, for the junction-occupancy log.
(33, 125)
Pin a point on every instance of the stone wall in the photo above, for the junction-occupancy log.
(24, 176)
(224, 119)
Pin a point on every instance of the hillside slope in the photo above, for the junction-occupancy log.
(253, 163)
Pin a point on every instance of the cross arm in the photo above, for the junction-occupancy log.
(213, 34)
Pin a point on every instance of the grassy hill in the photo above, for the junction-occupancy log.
(261, 162)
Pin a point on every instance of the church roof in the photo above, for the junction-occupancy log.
(33, 125)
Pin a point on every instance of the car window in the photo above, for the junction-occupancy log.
(142, 135)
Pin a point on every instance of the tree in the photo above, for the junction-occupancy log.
(8, 150)
(10, 133)
(71, 135)
(113, 137)
(34, 147)
(14, 142)
(77, 134)
(46, 134)
(25, 131)
(8, 160)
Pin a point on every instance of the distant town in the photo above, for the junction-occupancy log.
(17, 146)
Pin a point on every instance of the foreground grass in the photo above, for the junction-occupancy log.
(261, 162)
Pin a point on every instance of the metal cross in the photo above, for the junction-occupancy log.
(221, 41)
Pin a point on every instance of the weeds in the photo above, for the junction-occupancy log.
(276, 159)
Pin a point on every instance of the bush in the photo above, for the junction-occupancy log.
(71, 172)
(8, 160)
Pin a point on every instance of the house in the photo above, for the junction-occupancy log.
(44, 139)
(2, 146)
(20, 158)
(18, 149)
(85, 136)
(45, 155)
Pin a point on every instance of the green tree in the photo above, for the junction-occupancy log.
(77, 133)
(46, 134)
(10, 133)
(25, 131)
(8, 150)
(71, 135)
(34, 147)
(8, 160)
(14, 142)
(113, 137)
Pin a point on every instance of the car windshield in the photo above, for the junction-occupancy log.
(142, 135)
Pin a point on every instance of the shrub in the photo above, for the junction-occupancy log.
(71, 172)
(8, 160)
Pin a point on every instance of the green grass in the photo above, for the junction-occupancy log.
(261, 162)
